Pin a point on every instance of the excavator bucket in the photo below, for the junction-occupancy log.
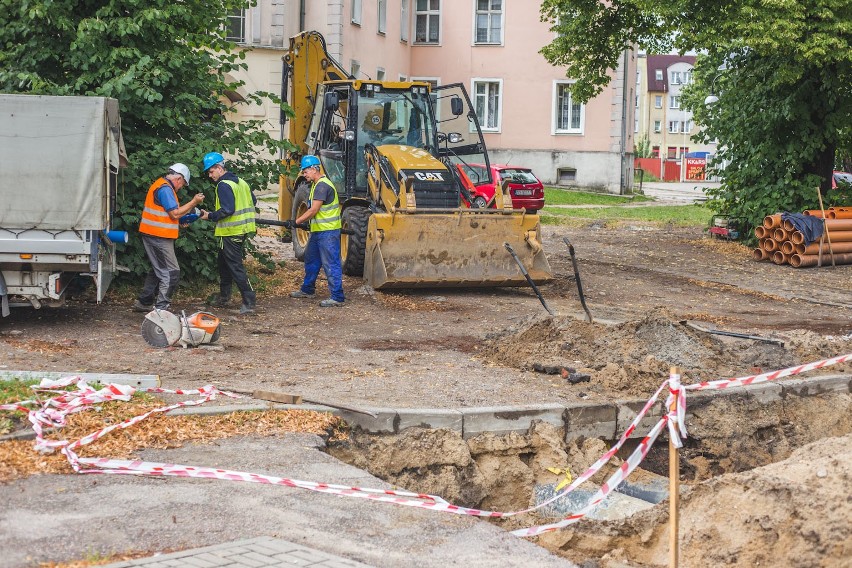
(456, 248)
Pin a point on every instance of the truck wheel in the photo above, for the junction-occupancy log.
(354, 246)
(300, 205)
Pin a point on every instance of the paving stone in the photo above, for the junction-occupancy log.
(590, 421)
(436, 418)
(502, 420)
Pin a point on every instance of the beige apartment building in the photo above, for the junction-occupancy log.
(491, 46)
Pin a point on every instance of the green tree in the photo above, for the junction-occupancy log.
(168, 65)
(780, 68)
(642, 147)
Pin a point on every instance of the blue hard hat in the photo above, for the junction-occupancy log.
(309, 162)
(211, 159)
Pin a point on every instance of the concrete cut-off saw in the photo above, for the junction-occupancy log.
(161, 328)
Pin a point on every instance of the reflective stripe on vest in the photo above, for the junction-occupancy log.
(328, 217)
(241, 221)
(155, 219)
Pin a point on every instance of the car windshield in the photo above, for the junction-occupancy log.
(515, 175)
(475, 173)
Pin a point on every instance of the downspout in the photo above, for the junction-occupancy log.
(301, 15)
(623, 145)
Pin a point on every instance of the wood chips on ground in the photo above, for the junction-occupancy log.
(18, 458)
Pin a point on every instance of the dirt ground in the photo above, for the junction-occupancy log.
(480, 347)
(491, 347)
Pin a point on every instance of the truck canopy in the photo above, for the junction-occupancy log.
(56, 155)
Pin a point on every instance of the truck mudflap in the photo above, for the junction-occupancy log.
(453, 248)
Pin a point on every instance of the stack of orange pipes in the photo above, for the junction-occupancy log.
(781, 243)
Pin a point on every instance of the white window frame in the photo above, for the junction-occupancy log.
(674, 127)
(382, 16)
(404, 21)
(675, 78)
(427, 14)
(489, 12)
(674, 101)
(241, 18)
(686, 127)
(658, 126)
(658, 74)
(498, 111)
(554, 121)
(403, 78)
(356, 12)
(658, 101)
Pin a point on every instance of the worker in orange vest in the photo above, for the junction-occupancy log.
(159, 228)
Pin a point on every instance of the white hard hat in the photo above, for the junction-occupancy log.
(182, 170)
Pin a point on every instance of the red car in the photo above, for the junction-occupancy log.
(526, 190)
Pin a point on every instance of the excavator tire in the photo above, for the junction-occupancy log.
(300, 205)
(353, 246)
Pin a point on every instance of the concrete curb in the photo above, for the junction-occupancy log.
(588, 420)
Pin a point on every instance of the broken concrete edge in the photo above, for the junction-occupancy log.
(588, 420)
(138, 381)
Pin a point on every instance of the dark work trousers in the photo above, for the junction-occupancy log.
(162, 280)
(232, 271)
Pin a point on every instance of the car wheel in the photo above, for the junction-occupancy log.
(479, 203)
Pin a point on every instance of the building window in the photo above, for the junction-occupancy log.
(489, 21)
(382, 12)
(658, 74)
(380, 74)
(428, 21)
(355, 68)
(655, 151)
(486, 101)
(237, 26)
(686, 126)
(638, 76)
(356, 12)
(658, 126)
(403, 77)
(566, 176)
(675, 77)
(684, 151)
(568, 112)
(674, 101)
(658, 101)
(671, 152)
(674, 126)
(403, 21)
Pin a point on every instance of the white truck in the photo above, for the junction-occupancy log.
(59, 163)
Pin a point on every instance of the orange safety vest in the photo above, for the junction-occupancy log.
(155, 219)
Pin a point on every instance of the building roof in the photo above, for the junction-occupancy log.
(664, 62)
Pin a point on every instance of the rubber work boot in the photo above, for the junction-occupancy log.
(249, 302)
(300, 294)
(330, 303)
(140, 307)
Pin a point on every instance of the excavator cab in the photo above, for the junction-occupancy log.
(396, 152)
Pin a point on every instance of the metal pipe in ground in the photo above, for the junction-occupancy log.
(577, 277)
(529, 279)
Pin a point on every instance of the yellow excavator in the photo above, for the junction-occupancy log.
(399, 154)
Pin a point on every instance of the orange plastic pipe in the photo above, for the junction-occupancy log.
(779, 257)
(806, 260)
(788, 226)
(816, 213)
(838, 225)
(839, 213)
(759, 254)
(780, 235)
(760, 232)
(836, 236)
(769, 245)
(788, 248)
(813, 248)
(772, 221)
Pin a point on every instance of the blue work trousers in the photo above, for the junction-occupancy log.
(323, 251)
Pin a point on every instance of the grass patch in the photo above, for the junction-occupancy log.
(678, 215)
(555, 196)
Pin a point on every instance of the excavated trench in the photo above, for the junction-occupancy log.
(740, 443)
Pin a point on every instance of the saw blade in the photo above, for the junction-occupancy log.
(161, 329)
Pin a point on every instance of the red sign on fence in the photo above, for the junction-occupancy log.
(696, 169)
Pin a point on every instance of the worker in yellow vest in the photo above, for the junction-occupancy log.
(159, 229)
(234, 217)
(323, 250)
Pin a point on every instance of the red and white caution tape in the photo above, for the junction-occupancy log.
(54, 411)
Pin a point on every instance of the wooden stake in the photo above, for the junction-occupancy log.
(824, 232)
(674, 490)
